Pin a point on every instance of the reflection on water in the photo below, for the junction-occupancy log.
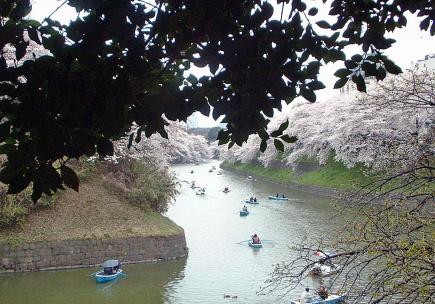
(144, 283)
(220, 268)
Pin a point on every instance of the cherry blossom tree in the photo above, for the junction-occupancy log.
(179, 147)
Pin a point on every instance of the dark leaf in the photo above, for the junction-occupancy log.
(4, 131)
(130, 140)
(263, 134)
(360, 83)
(424, 25)
(17, 185)
(381, 74)
(283, 126)
(278, 145)
(341, 73)
(33, 34)
(276, 133)
(340, 83)
(350, 64)
(391, 67)
(263, 146)
(289, 139)
(308, 94)
(313, 11)
(104, 147)
(323, 24)
(69, 177)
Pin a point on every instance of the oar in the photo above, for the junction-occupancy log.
(94, 273)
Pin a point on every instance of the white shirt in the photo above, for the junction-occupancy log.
(305, 297)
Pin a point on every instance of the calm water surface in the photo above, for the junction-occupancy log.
(219, 262)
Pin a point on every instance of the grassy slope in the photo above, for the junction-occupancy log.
(95, 212)
(332, 175)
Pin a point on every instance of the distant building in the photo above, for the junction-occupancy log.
(428, 62)
(192, 121)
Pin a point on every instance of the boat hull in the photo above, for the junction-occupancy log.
(244, 213)
(324, 270)
(251, 244)
(102, 278)
(332, 299)
(252, 203)
(278, 198)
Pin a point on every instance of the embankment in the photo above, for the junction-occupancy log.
(98, 223)
(66, 254)
(333, 180)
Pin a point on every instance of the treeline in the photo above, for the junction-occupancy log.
(393, 126)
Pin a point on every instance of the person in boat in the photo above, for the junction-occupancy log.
(251, 199)
(277, 195)
(245, 208)
(283, 196)
(255, 199)
(256, 239)
(226, 189)
(322, 292)
(191, 171)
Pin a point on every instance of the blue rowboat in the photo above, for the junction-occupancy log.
(102, 278)
(244, 213)
(278, 198)
(252, 202)
(331, 299)
(255, 245)
(111, 271)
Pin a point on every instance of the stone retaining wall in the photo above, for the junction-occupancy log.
(89, 253)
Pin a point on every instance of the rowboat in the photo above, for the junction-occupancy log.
(278, 198)
(225, 191)
(111, 271)
(250, 178)
(255, 245)
(244, 213)
(324, 270)
(200, 193)
(252, 202)
(331, 299)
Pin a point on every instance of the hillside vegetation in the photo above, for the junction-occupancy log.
(331, 175)
(114, 201)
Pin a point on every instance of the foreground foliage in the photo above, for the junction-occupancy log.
(122, 62)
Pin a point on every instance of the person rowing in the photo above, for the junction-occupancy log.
(245, 208)
(256, 239)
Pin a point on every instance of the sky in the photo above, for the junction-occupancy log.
(412, 45)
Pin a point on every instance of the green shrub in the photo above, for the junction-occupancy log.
(13, 208)
(142, 184)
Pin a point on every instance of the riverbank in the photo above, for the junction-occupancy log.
(82, 229)
(332, 180)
